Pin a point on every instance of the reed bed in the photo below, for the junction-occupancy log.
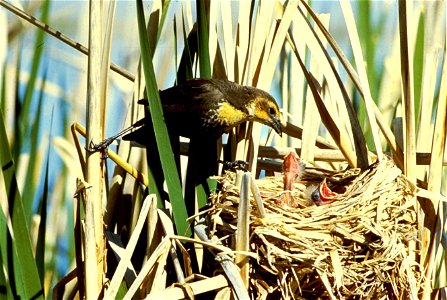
(370, 85)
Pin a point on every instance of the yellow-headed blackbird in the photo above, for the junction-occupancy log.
(202, 110)
(211, 107)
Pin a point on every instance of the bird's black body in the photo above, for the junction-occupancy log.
(202, 110)
(211, 107)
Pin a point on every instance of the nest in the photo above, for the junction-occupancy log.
(361, 246)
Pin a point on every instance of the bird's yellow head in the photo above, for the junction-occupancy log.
(263, 108)
(240, 103)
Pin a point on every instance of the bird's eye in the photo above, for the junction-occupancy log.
(272, 111)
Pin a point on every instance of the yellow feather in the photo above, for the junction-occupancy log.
(261, 105)
(230, 115)
(261, 114)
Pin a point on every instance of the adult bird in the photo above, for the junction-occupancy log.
(211, 107)
(202, 110)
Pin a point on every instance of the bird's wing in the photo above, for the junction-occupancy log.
(193, 95)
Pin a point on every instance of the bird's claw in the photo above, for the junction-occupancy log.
(102, 147)
(235, 165)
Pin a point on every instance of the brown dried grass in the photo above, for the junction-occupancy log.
(360, 246)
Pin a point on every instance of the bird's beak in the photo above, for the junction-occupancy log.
(275, 123)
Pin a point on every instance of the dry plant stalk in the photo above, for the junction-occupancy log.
(357, 246)
(94, 245)
(97, 83)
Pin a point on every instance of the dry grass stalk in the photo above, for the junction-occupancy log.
(94, 164)
(125, 259)
(407, 52)
(242, 233)
(381, 122)
(357, 246)
(195, 288)
(60, 36)
(358, 56)
(435, 174)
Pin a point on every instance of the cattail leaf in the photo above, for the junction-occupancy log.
(161, 133)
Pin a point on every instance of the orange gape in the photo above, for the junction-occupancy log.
(323, 195)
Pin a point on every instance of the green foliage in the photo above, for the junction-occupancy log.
(246, 54)
(161, 132)
(15, 244)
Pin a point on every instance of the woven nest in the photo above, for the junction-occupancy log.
(360, 246)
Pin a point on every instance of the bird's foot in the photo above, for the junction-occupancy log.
(235, 165)
(101, 147)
